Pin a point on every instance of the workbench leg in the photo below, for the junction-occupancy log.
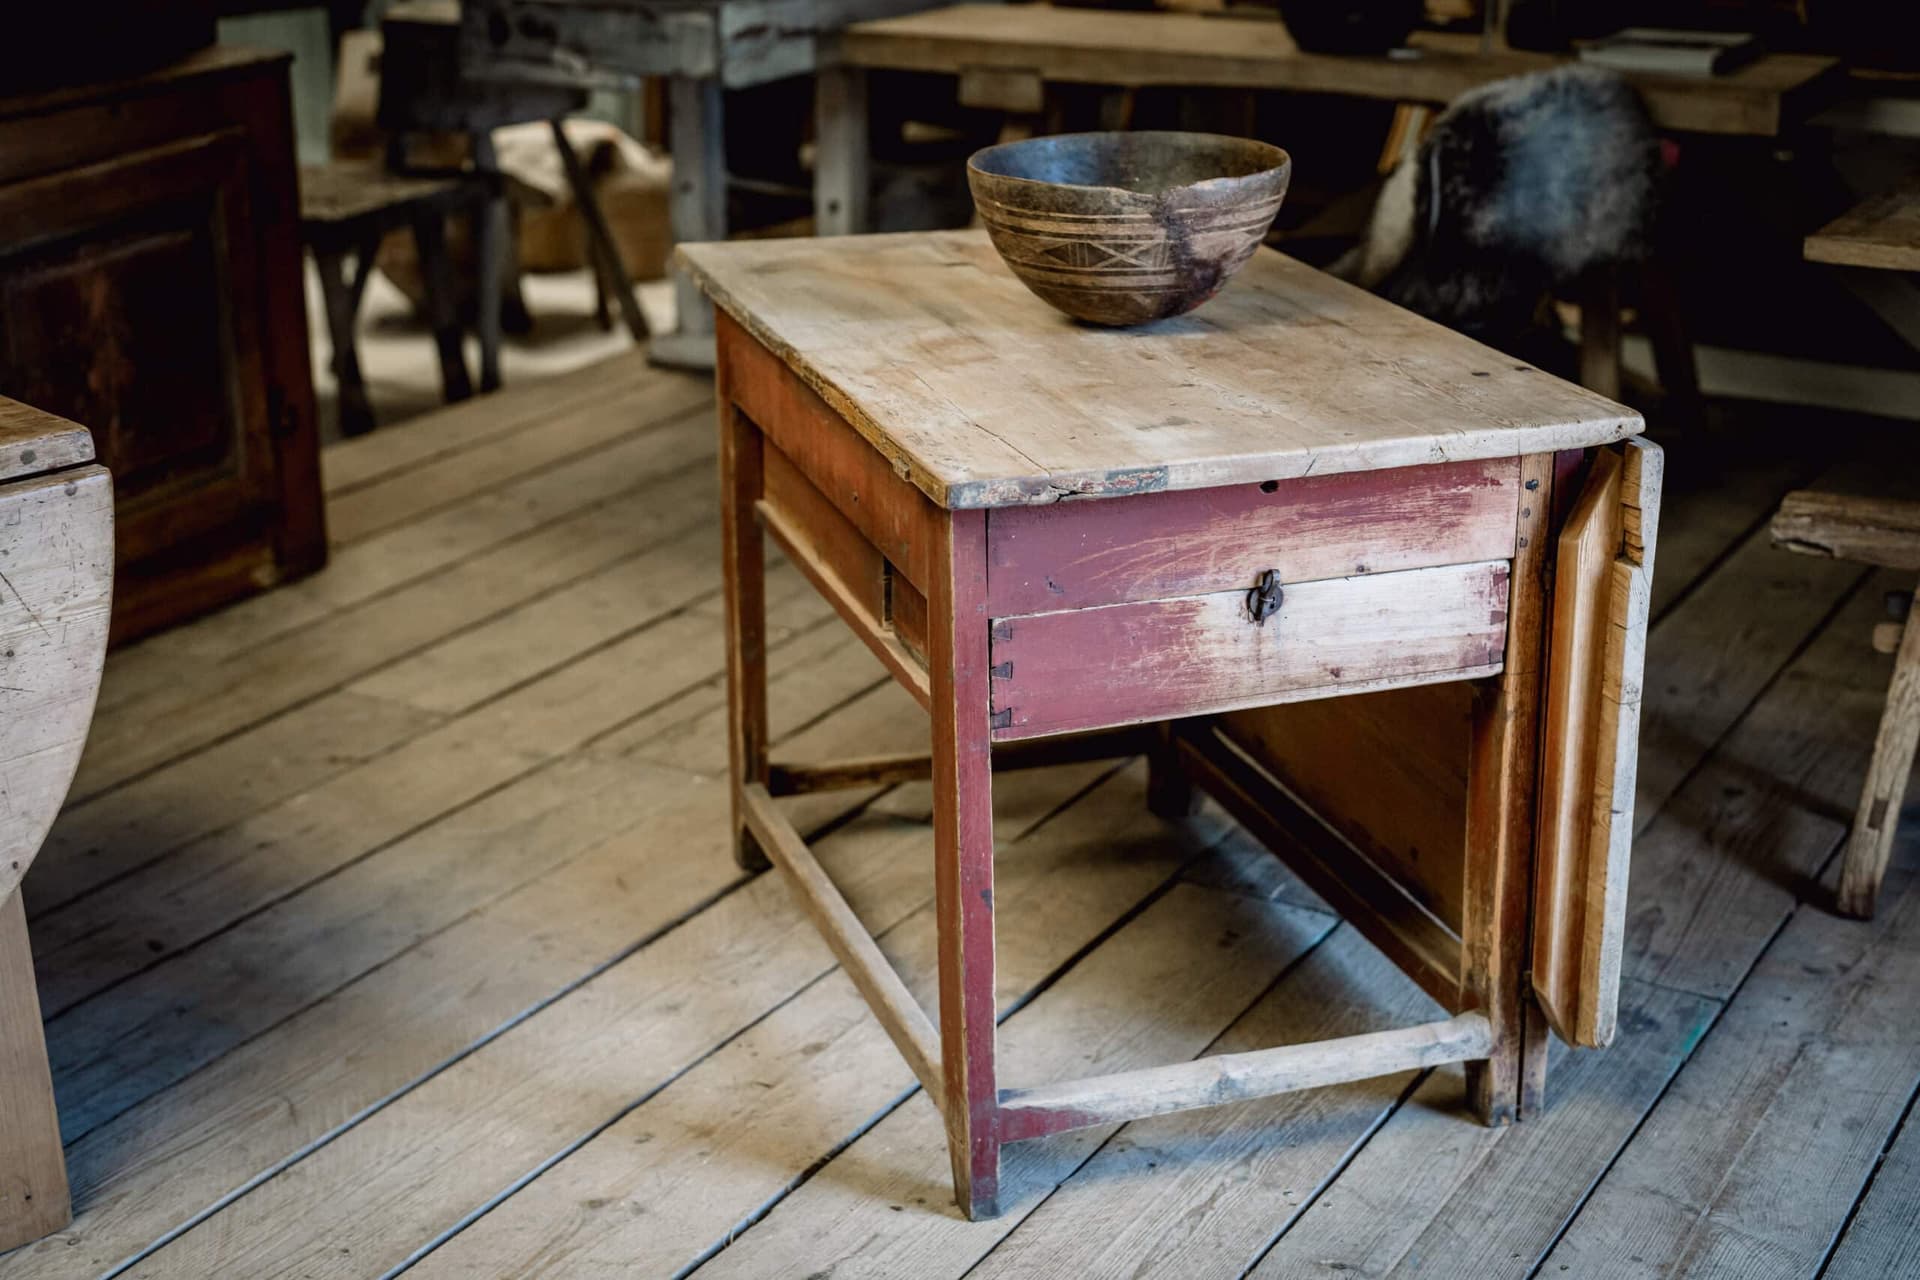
(1501, 787)
(33, 1173)
(697, 211)
(743, 552)
(1874, 825)
(963, 860)
(841, 174)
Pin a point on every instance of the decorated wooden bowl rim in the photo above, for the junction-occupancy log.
(1281, 162)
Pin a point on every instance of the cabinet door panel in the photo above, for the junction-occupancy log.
(1602, 579)
(129, 301)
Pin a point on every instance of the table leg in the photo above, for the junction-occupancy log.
(1171, 794)
(840, 169)
(492, 243)
(1502, 782)
(743, 551)
(336, 292)
(33, 1173)
(698, 211)
(963, 860)
(443, 312)
(1600, 333)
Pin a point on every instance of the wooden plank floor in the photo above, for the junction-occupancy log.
(391, 929)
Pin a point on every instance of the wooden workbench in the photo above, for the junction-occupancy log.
(1006, 53)
(1297, 543)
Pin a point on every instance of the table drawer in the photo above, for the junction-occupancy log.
(1072, 555)
(1189, 655)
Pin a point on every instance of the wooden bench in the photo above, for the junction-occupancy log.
(1882, 232)
(56, 547)
(1880, 532)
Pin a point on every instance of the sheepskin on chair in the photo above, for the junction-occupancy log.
(1521, 186)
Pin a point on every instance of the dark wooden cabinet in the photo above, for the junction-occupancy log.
(150, 289)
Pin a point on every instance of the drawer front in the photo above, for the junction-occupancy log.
(1160, 659)
(1074, 555)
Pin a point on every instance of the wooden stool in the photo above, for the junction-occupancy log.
(1886, 533)
(1053, 535)
(56, 540)
(348, 209)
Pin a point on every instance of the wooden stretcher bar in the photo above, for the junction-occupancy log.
(1096, 1100)
(917, 766)
(906, 1024)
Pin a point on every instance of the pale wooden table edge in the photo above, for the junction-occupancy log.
(1047, 487)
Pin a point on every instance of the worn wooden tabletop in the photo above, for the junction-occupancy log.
(984, 396)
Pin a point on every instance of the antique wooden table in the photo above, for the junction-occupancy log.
(1305, 533)
(56, 591)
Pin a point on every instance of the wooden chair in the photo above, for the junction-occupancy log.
(1886, 533)
(346, 210)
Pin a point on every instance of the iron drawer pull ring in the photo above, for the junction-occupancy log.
(1264, 600)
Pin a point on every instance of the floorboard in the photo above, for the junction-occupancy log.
(392, 929)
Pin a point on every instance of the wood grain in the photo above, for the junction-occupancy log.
(536, 1101)
(1882, 232)
(32, 442)
(624, 850)
(1149, 996)
(1238, 1077)
(1594, 691)
(1877, 820)
(982, 396)
(1155, 660)
(833, 457)
(33, 1173)
(1880, 531)
(56, 594)
(1245, 1170)
(1802, 1071)
(1071, 556)
(1387, 770)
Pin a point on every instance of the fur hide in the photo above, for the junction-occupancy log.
(1521, 186)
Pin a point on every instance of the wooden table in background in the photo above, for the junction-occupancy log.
(1004, 55)
(702, 48)
(1297, 543)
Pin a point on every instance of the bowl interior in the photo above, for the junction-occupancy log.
(1146, 163)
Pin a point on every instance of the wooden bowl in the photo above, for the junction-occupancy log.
(1121, 228)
